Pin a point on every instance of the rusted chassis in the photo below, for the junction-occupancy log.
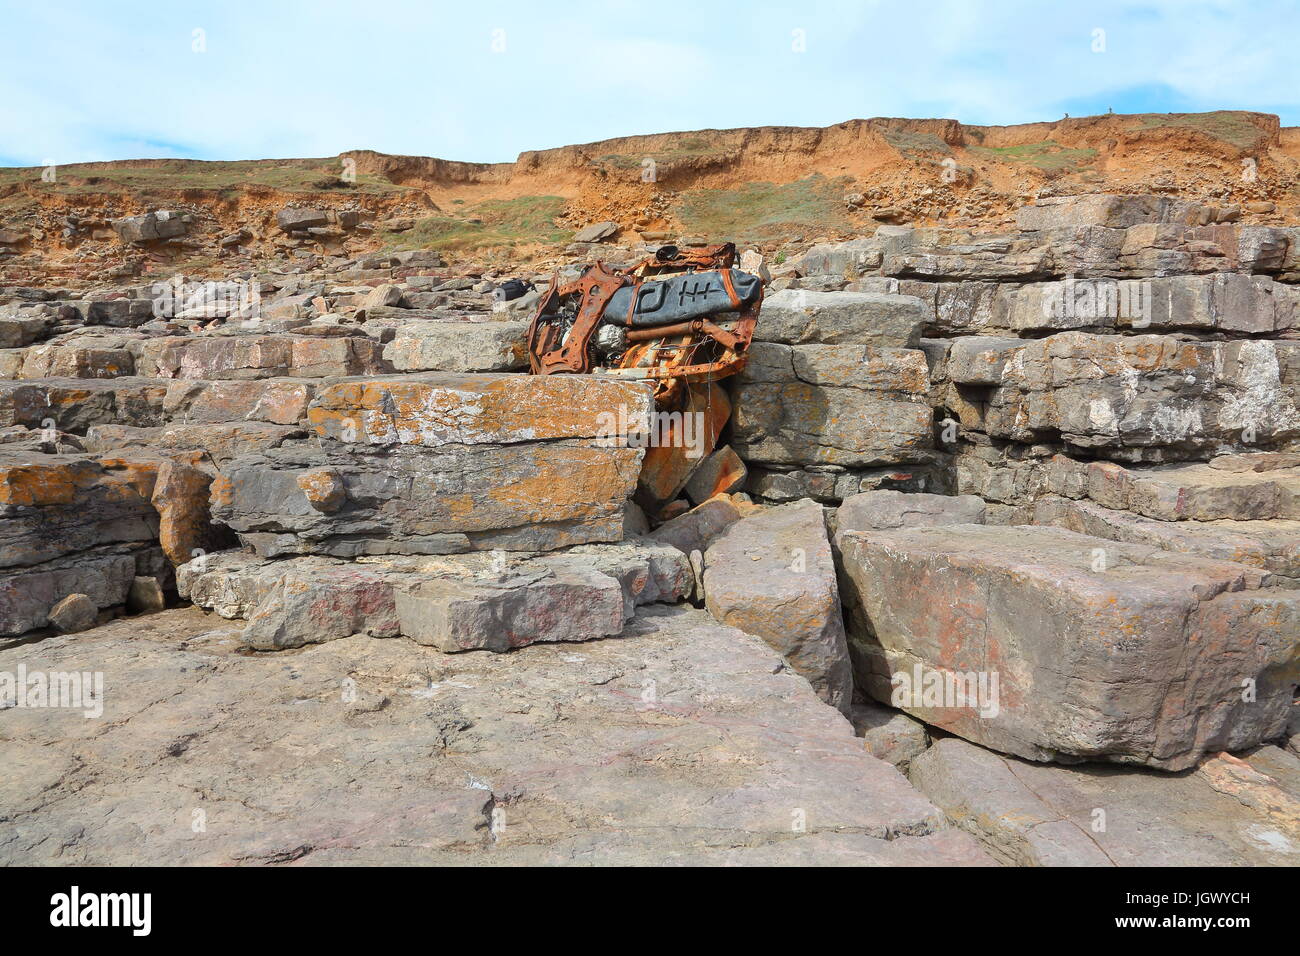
(683, 359)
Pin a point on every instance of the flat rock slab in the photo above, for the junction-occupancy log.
(682, 742)
(455, 603)
(1272, 545)
(259, 356)
(1230, 489)
(1227, 812)
(883, 510)
(772, 574)
(1052, 645)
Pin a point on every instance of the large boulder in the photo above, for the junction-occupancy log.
(293, 220)
(1052, 645)
(772, 575)
(445, 463)
(152, 226)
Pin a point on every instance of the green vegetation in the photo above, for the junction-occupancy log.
(909, 142)
(758, 212)
(494, 222)
(1049, 155)
(685, 149)
(289, 175)
(1229, 126)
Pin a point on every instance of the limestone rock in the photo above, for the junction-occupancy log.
(76, 612)
(152, 226)
(27, 594)
(1272, 546)
(459, 347)
(801, 317)
(696, 529)
(259, 356)
(596, 232)
(889, 734)
(567, 745)
(1026, 640)
(832, 405)
(290, 219)
(1137, 396)
(383, 295)
(771, 574)
(276, 401)
(146, 595)
(1228, 812)
(456, 603)
(882, 510)
(721, 473)
(1117, 212)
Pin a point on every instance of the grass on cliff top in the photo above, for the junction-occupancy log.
(1223, 124)
(289, 175)
(906, 141)
(759, 212)
(685, 149)
(502, 222)
(1049, 155)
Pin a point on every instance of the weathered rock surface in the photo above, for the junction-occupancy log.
(889, 734)
(76, 612)
(845, 405)
(772, 574)
(459, 347)
(443, 463)
(696, 529)
(1271, 545)
(260, 356)
(73, 405)
(883, 510)
(801, 317)
(27, 594)
(1100, 651)
(1138, 397)
(207, 756)
(721, 473)
(1227, 812)
(464, 602)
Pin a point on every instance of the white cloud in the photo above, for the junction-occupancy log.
(90, 81)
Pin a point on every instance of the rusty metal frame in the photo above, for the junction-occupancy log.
(673, 361)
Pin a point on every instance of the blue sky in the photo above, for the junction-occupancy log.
(481, 81)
